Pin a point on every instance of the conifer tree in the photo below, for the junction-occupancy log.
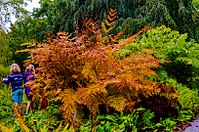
(64, 15)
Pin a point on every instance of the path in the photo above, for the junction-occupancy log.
(194, 126)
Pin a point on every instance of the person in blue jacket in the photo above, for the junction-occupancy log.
(16, 80)
(29, 76)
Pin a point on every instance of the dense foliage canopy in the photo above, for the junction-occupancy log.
(65, 15)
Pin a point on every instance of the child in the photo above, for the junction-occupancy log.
(28, 76)
(16, 78)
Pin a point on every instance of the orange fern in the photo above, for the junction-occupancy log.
(82, 71)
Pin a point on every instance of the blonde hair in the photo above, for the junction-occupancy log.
(14, 68)
(30, 68)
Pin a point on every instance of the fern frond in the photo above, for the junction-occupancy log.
(20, 121)
(23, 50)
(112, 12)
(104, 28)
(89, 73)
(111, 18)
(92, 96)
(64, 35)
(69, 104)
(128, 40)
(32, 44)
(109, 23)
(117, 102)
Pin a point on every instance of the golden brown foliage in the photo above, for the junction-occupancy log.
(20, 121)
(5, 129)
(84, 71)
(110, 21)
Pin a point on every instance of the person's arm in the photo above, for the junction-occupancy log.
(25, 77)
(30, 77)
(7, 81)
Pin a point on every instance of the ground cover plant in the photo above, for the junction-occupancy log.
(49, 120)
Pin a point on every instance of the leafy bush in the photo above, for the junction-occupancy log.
(185, 115)
(83, 73)
(49, 117)
(188, 98)
(5, 102)
(4, 71)
(184, 66)
(48, 120)
(138, 120)
(196, 3)
(170, 45)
